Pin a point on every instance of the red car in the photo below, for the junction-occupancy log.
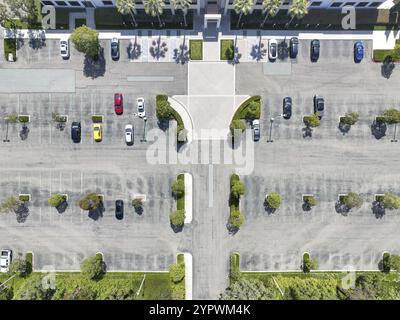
(118, 103)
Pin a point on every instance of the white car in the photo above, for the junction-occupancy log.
(273, 49)
(141, 107)
(5, 260)
(129, 134)
(64, 49)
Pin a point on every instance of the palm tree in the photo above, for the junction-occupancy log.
(154, 8)
(298, 9)
(183, 5)
(127, 7)
(242, 7)
(271, 8)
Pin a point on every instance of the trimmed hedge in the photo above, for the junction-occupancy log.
(23, 118)
(234, 267)
(227, 49)
(97, 119)
(171, 112)
(180, 201)
(243, 111)
(23, 198)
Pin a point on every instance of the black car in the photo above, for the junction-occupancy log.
(76, 132)
(293, 47)
(315, 48)
(115, 49)
(119, 209)
(287, 107)
(319, 105)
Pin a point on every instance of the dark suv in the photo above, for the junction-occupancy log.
(315, 48)
(319, 106)
(287, 107)
(76, 132)
(119, 209)
(293, 47)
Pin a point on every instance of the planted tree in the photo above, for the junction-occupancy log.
(184, 6)
(386, 262)
(177, 272)
(237, 188)
(237, 126)
(154, 8)
(91, 201)
(236, 218)
(352, 200)
(391, 201)
(86, 40)
(253, 110)
(178, 188)
(312, 121)
(92, 268)
(56, 200)
(177, 218)
(391, 116)
(349, 118)
(310, 201)
(242, 7)
(308, 263)
(163, 108)
(298, 9)
(24, 10)
(270, 8)
(273, 200)
(126, 7)
(20, 267)
(137, 203)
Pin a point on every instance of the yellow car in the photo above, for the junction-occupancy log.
(97, 132)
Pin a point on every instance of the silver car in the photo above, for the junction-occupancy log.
(129, 134)
(256, 129)
(64, 49)
(141, 108)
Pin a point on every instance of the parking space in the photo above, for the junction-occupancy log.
(146, 237)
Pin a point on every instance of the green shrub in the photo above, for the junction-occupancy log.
(349, 118)
(23, 118)
(24, 197)
(178, 291)
(196, 49)
(395, 262)
(308, 263)
(351, 200)
(273, 200)
(137, 203)
(97, 119)
(249, 109)
(164, 111)
(237, 126)
(91, 201)
(92, 268)
(391, 201)
(312, 121)
(11, 118)
(10, 46)
(236, 218)
(10, 204)
(178, 187)
(386, 264)
(177, 218)
(177, 272)
(234, 270)
(57, 118)
(21, 267)
(310, 200)
(56, 199)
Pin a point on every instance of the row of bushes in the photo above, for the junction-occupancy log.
(248, 110)
(177, 277)
(177, 218)
(237, 189)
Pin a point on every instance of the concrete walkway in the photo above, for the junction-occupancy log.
(186, 118)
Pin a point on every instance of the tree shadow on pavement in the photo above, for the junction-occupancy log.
(232, 229)
(134, 50)
(96, 214)
(378, 129)
(341, 208)
(23, 134)
(176, 229)
(387, 67)
(378, 209)
(283, 50)
(344, 128)
(307, 132)
(22, 213)
(268, 208)
(306, 207)
(62, 207)
(95, 67)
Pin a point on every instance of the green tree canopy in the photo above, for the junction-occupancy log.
(163, 109)
(237, 189)
(350, 118)
(312, 289)
(10, 204)
(178, 188)
(391, 116)
(33, 289)
(273, 200)
(177, 272)
(86, 40)
(90, 201)
(56, 199)
(92, 268)
(312, 121)
(309, 264)
(242, 7)
(253, 110)
(395, 262)
(236, 126)
(391, 201)
(310, 200)
(236, 218)
(298, 9)
(352, 200)
(248, 289)
(177, 218)
(21, 267)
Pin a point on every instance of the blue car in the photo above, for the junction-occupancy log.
(358, 51)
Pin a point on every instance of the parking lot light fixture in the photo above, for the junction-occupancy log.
(394, 135)
(271, 121)
(6, 138)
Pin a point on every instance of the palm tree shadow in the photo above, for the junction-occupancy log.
(22, 213)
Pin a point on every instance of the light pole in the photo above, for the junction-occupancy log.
(271, 121)
(144, 129)
(394, 135)
(6, 139)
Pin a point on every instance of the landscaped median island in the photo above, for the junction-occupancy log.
(381, 54)
(177, 218)
(164, 112)
(314, 285)
(92, 283)
(236, 218)
(196, 49)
